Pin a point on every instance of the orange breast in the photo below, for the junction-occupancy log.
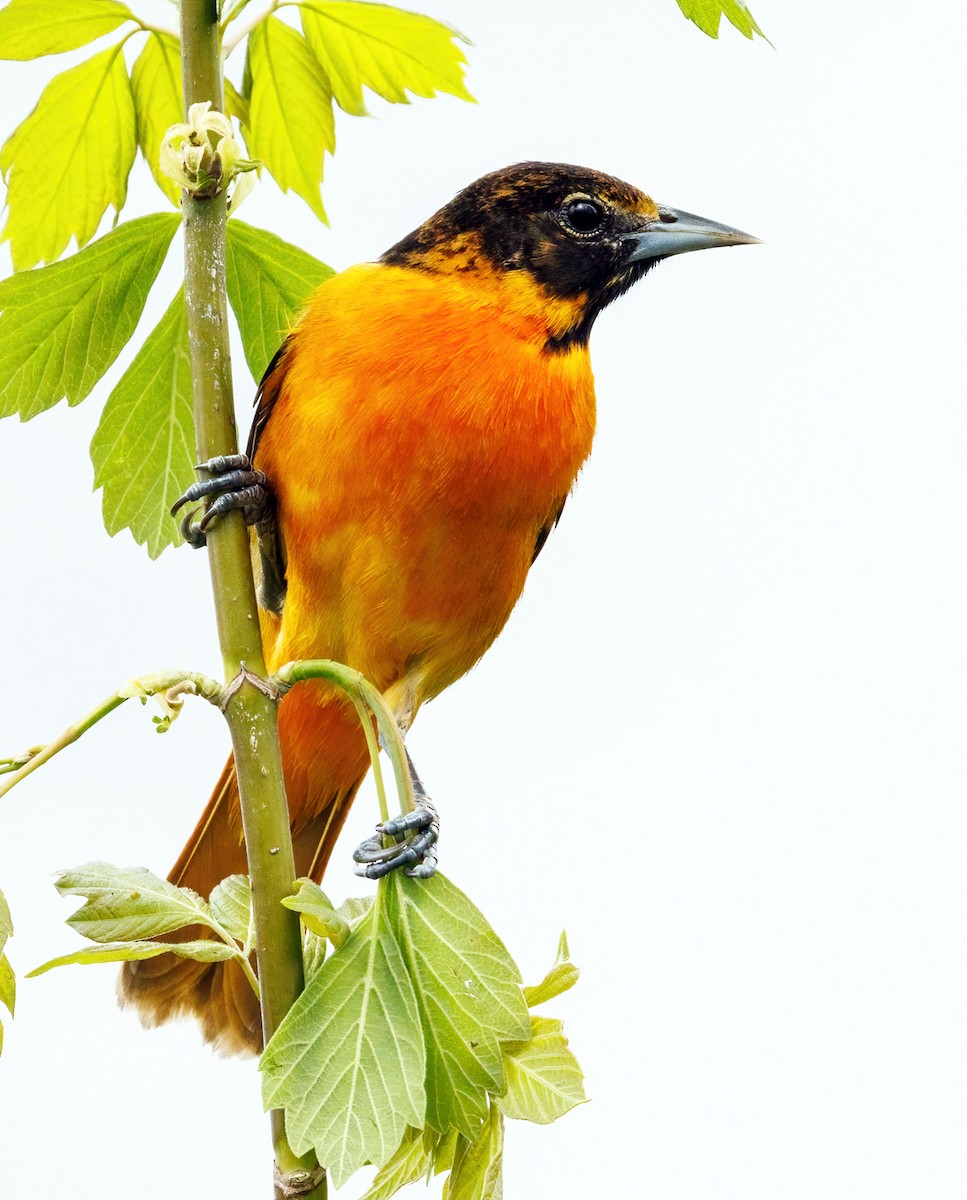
(420, 440)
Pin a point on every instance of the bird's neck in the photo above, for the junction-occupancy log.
(561, 322)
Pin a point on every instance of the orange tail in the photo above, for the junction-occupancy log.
(218, 994)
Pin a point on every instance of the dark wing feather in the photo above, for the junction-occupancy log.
(266, 397)
(545, 531)
(272, 585)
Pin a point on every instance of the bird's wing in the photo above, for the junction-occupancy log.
(545, 530)
(266, 397)
(272, 559)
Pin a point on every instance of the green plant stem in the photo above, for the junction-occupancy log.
(177, 682)
(251, 714)
(356, 685)
(242, 958)
(372, 745)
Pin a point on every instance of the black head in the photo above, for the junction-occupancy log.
(581, 236)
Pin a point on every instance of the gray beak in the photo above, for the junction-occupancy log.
(677, 232)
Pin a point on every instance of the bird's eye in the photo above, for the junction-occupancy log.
(583, 216)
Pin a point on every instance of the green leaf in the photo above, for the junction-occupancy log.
(231, 905)
(126, 903)
(69, 160)
(477, 1172)
(6, 921)
(235, 103)
(469, 995)
(421, 1153)
(8, 984)
(544, 1080)
(444, 1148)
(347, 1063)
(560, 978)
(132, 951)
(314, 950)
(317, 913)
(156, 86)
(290, 122)
(8, 981)
(707, 15)
(7, 988)
(354, 909)
(386, 49)
(32, 28)
(412, 1161)
(269, 281)
(143, 448)
(62, 326)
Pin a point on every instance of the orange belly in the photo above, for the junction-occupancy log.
(411, 489)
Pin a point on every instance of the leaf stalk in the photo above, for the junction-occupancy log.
(357, 687)
(244, 30)
(171, 684)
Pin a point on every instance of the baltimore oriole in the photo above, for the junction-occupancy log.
(421, 428)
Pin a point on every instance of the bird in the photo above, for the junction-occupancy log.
(414, 442)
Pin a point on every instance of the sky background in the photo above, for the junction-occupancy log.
(721, 740)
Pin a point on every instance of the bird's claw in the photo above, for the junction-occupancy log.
(416, 854)
(234, 485)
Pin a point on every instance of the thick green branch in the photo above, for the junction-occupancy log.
(251, 714)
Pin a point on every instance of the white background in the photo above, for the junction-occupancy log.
(721, 740)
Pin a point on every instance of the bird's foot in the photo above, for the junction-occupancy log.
(415, 837)
(233, 485)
